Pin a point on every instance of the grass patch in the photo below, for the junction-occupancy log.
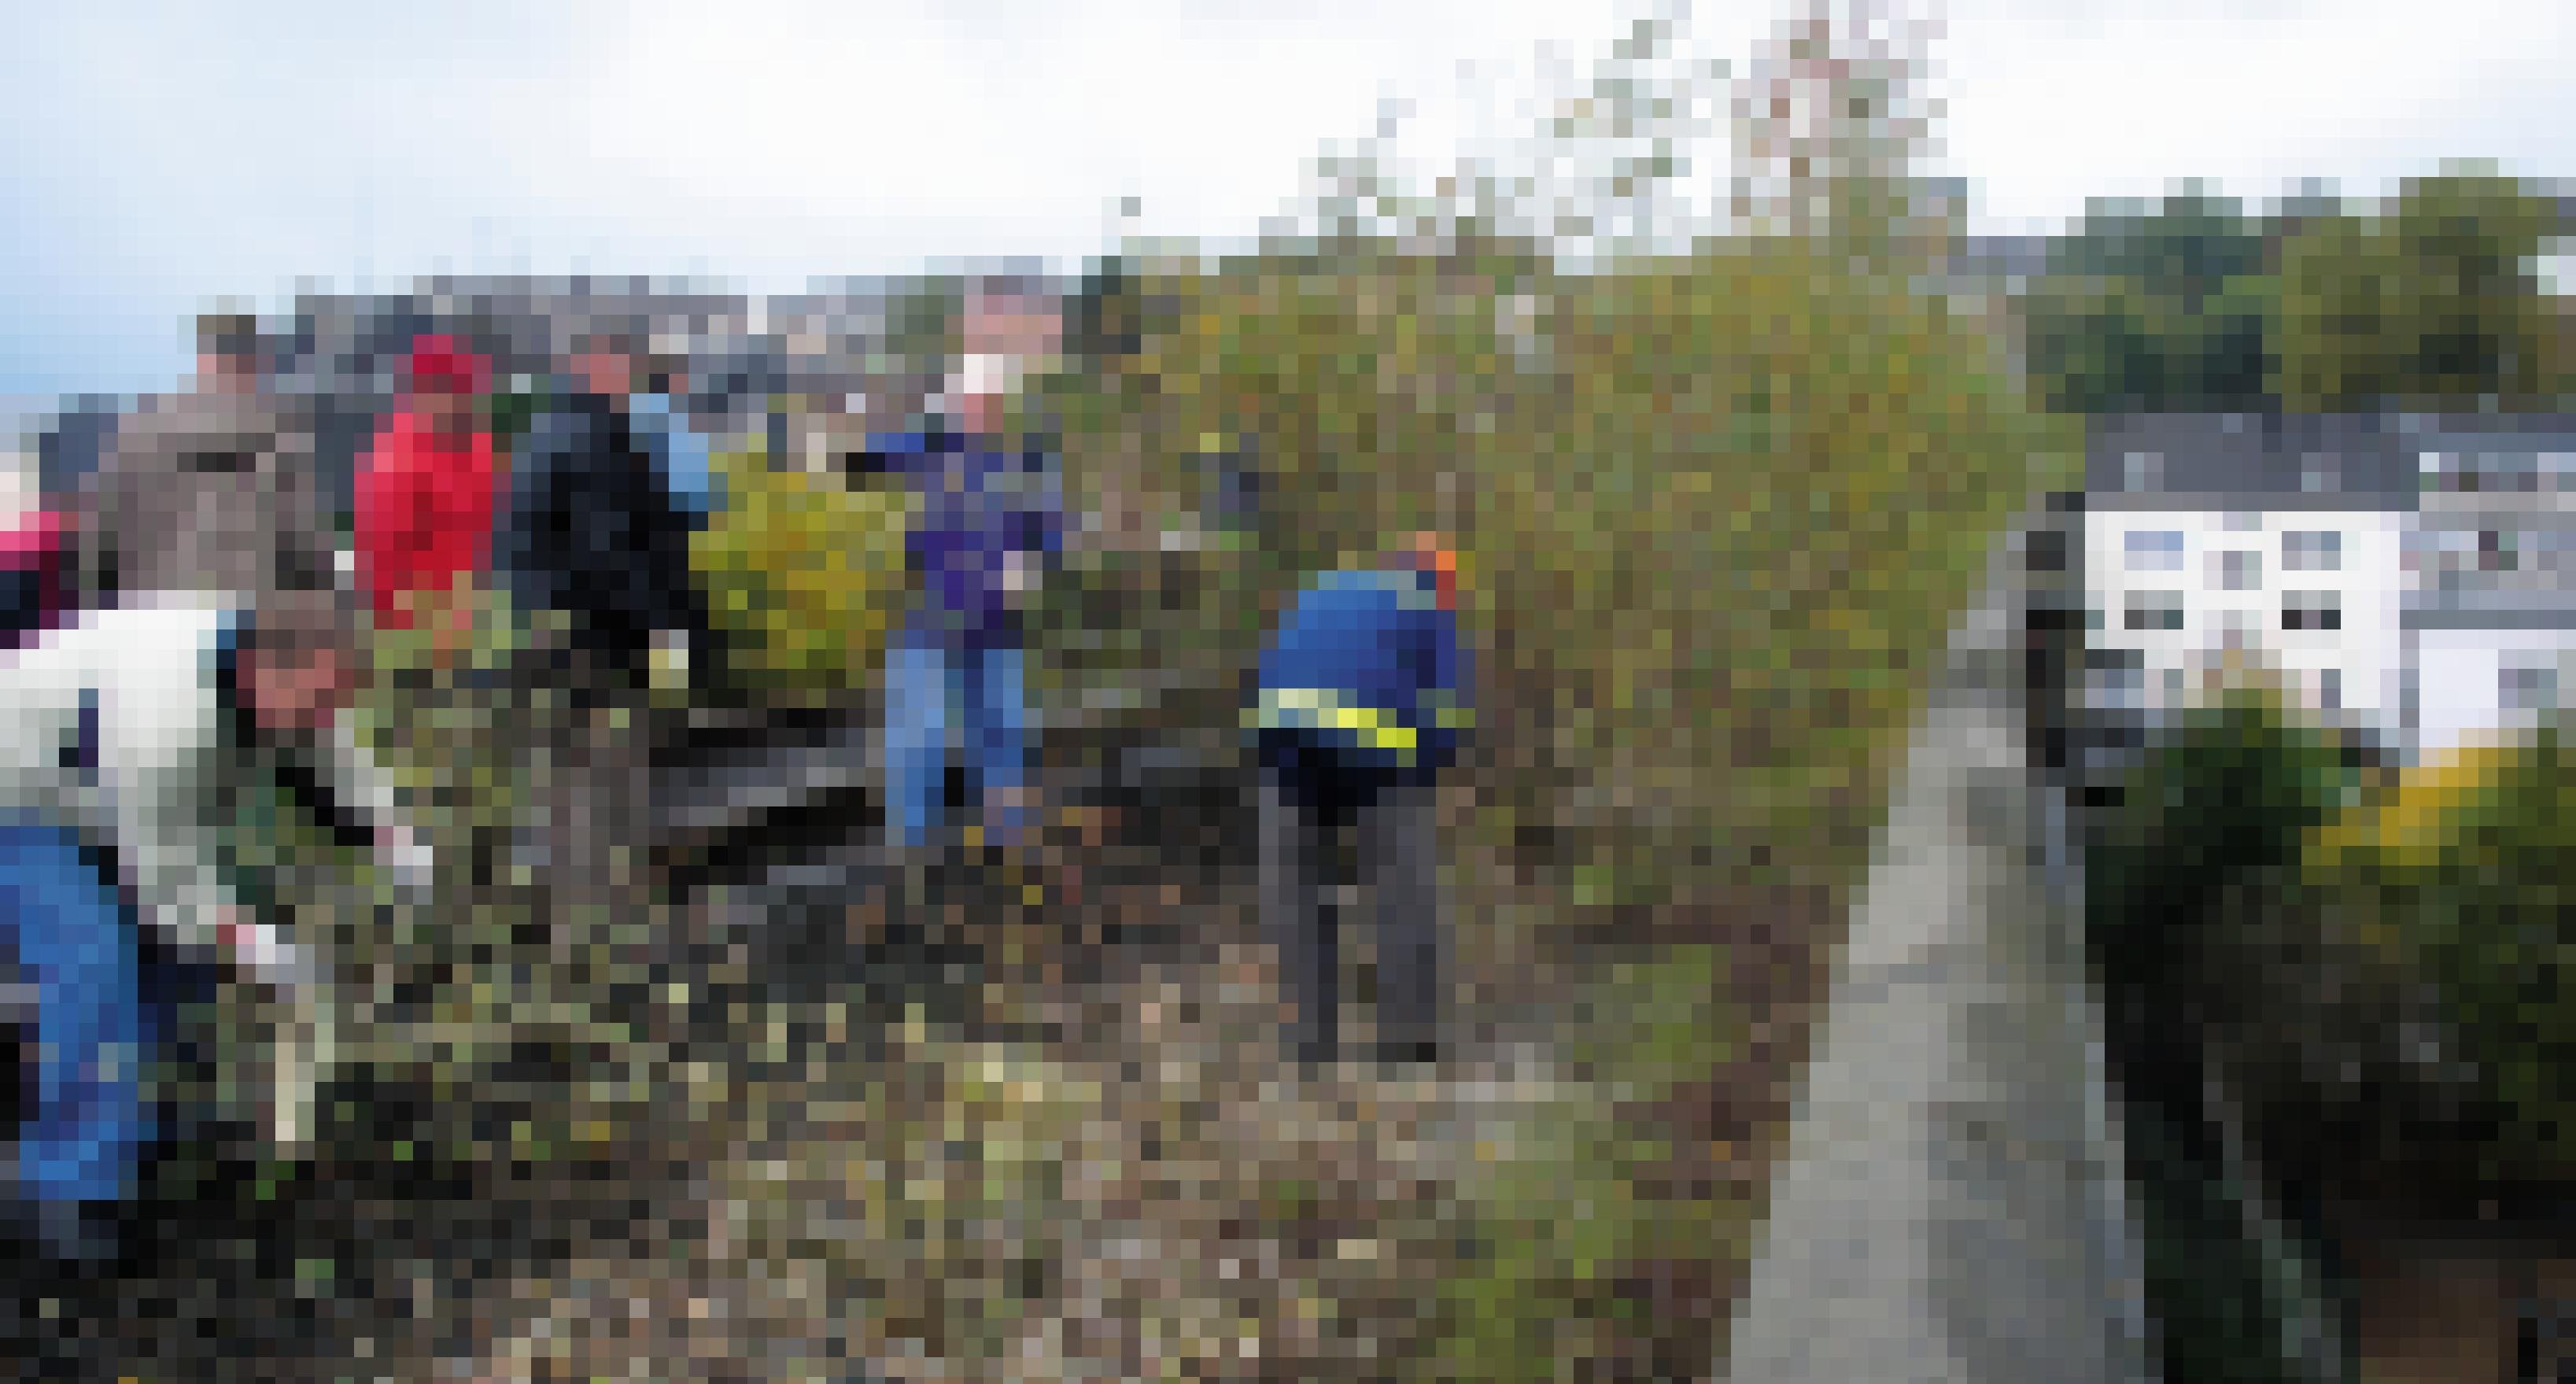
(1577, 1248)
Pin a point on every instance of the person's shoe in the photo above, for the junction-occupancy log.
(1314, 1056)
(78, 1236)
(1419, 1055)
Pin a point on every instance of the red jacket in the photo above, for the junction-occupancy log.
(33, 591)
(423, 513)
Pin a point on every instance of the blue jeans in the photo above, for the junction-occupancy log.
(933, 691)
(63, 925)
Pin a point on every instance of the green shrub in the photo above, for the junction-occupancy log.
(2463, 872)
(1710, 546)
(805, 572)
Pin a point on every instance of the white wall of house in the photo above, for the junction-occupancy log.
(2477, 685)
(2356, 666)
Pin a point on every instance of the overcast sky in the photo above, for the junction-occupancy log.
(159, 156)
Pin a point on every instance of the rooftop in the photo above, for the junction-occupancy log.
(2221, 461)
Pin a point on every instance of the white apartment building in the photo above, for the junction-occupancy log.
(2274, 541)
(2491, 562)
(2413, 577)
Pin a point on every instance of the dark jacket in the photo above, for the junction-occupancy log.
(1368, 670)
(591, 530)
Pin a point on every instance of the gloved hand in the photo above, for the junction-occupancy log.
(1021, 581)
(299, 1052)
(406, 860)
(264, 953)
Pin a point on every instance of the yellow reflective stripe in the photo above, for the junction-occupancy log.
(1317, 708)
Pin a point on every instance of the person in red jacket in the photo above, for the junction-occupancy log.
(34, 587)
(425, 497)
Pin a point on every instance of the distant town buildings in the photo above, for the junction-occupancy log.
(807, 373)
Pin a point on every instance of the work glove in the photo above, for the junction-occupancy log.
(265, 954)
(406, 860)
(1022, 578)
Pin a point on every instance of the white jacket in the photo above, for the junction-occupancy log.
(115, 725)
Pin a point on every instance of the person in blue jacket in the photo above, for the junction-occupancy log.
(1359, 705)
(663, 422)
(989, 525)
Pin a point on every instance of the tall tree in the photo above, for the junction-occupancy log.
(2434, 303)
(2157, 309)
(1830, 127)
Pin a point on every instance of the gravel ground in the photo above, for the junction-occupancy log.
(860, 1149)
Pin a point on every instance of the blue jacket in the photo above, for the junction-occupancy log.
(1369, 666)
(682, 452)
(979, 507)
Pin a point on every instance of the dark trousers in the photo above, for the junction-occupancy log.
(584, 815)
(1304, 808)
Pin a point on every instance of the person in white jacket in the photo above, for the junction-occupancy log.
(125, 733)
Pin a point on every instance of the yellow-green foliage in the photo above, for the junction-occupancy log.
(2417, 819)
(806, 571)
(2460, 871)
(1718, 519)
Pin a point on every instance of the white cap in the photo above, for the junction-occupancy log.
(987, 372)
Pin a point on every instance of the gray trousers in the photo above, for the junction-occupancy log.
(1398, 865)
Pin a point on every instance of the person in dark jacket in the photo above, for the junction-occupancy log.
(595, 552)
(592, 533)
(1358, 705)
(990, 523)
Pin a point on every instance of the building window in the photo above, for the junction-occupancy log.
(2243, 521)
(2499, 474)
(2527, 687)
(2495, 550)
(2312, 610)
(2312, 552)
(2330, 689)
(2155, 550)
(2434, 472)
(2154, 610)
(2048, 550)
(2240, 569)
(2143, 471)
(2116, 679)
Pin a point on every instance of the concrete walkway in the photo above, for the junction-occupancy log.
(1951, 1205)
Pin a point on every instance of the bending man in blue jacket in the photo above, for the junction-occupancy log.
(1359, 706)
